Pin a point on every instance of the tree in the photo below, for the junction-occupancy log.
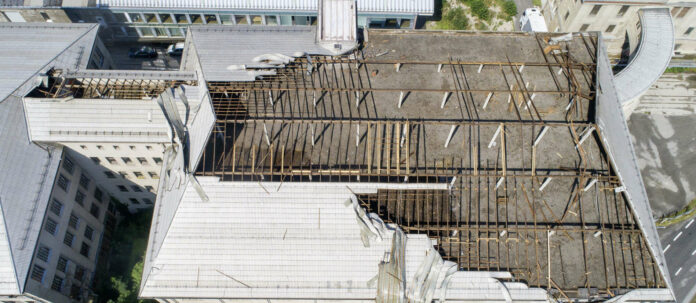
(510, 8)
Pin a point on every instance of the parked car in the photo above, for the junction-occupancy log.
(176, 49)
(143, 52)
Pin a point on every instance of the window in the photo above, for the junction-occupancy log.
(147, 201)
(109, 175)
(610, 28)
(84, 250)
(83, 146)
(196, 19)
(240, 19)
(175, 32)
(149, 188)
(256, 19)
(134, 201)
(166, 18)
(63, 182)
(44, 253)
(211, 19)
(677, 46)
(62, 264)
(150, 18)
(51, 226)
(80, 198)
(69, 237)
(111, 160)
(98, 194)
(271, 20)
(74, 221)
(180, 19)
(566, 16)
(595, 10)
(123, 174)
(68, 165)
(89, 232)
(142, 160)
(79, 273)
(57, 284)
(56, 207)
(99, 147)
(138, 175)
(638, 25)
(95, 160)
(153, 175)
(132, 147)
(148, 147)
(157, 160)
(161, 32)
(136, 188)
(226, 19)
(127, 160)
(84, 181)
(37, 273)
(135, 18)
(688, 31)
(94, 210)
(46, 17)
(584, 27)
(122, 188)
(622, 11)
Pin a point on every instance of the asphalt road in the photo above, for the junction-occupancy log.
(521, 6)
(119, 54)
(679, 246)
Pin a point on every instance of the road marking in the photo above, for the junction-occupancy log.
(678, 271)
(666, 248)
(687, 225)
(677, 237)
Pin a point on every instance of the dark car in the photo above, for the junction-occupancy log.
(143, 52)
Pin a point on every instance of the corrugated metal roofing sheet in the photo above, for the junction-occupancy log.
(225, 51)
(291, 240)
(424, 7)
(617, 140)
(28, 171)
(652, 56)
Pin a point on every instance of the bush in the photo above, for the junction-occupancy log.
(510, 8)
(480, 9)
(454, 19)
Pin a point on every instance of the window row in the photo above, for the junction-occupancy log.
(226, 19)
(116, 147)
(128, 160)
(125, 175)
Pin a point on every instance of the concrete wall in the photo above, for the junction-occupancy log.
(579, 14)
(90, 213)
(57, 15)
(133, 183)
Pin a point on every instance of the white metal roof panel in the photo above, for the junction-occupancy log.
(28, 47)
(291, 240)
(410, 7)
(96, 120)
(225, 51)
(652, 56)
(617, 141)
(8, 279)
(28, 170)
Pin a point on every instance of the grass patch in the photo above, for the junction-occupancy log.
(680, 70)
(454, 19)
(510, 8)
(479, 8)
(681, 215)
(119, 282)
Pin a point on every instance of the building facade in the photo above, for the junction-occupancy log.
(168, 20)
(619, 22)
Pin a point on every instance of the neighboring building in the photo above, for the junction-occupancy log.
(53, 213)
(618, 20)
(168, 20)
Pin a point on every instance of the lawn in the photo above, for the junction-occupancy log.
(475, 14)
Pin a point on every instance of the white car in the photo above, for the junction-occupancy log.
(176, 49)
(532, 21)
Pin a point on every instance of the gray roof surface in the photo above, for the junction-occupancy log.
(652, 56)
(224, 51)
(617, 140)
(28, 170)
